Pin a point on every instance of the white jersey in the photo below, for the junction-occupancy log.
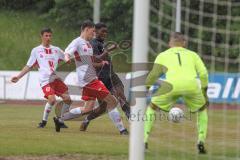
(82, 52)
(47, 60)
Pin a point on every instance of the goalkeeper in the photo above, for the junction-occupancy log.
(181, 68)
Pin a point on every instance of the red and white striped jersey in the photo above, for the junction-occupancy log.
(81, 50)
(46, 59)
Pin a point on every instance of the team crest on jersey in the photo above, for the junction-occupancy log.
(48, 89)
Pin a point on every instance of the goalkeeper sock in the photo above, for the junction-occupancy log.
(202, 123)
(150, 118)
(47, 111)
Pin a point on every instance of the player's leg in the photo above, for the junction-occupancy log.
(61, 90)
(148, 123)
(98, 112)
(72, 113)
(101, 109)
(65, 107)
(98, 90)
(79, 111)
(49, 94)
(202, 122)
(118, 91)
(46, 112)
(114, 113)
(164, 103)
(198, 103)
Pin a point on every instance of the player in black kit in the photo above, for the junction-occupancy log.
(106, 75)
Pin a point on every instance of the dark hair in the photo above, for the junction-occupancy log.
(87, 24)
(100, 25)
(48, 30)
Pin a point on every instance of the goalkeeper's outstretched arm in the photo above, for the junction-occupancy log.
(154, 75)
(202, 71)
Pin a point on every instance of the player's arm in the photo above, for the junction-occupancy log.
(154, 75)
(24, 71)
(203, 76)
(98, 63)
(106, 52)
(30, 64)
(202, 71)
(69, 51)
(67, 58)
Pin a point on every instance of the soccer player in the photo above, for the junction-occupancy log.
(46, 57)
(92, 88)
(181, 68)
(106, 75)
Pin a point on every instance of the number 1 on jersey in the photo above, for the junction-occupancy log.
(179, 59)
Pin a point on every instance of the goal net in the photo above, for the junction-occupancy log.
(212, 30)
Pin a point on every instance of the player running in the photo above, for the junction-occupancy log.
(106, 75)
(92, 88)
(46, 57)
(181, 68)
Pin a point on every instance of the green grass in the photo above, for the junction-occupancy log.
(20, 32)
(19, 137)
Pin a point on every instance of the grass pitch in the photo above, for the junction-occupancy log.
(21, 139)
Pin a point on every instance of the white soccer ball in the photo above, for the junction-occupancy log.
(176, 115)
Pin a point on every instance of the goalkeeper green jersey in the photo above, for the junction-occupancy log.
(180, 65)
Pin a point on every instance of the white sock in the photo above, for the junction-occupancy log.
(65, 108)
(47, 111)
(75, 111)
(116, 118)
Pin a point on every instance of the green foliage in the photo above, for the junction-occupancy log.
(70, 13)
(17, 4)
(118, 15)
(41, 6)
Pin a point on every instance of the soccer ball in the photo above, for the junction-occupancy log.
(176, 115)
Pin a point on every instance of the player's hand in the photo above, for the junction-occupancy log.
(14, 79)
(112, 47)
(105, 63)
(67, 58)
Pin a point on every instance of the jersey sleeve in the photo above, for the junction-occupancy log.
(202, 71)
(60, 54)
(157, 70)
(158, 60)
(32, 59)
(71, 48)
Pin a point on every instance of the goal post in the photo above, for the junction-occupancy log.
(140, 55)
(211, 28)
